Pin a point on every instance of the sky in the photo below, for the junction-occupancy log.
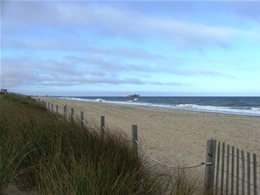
(108, 48)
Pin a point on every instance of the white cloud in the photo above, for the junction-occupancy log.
(79, 43)
(112, 21)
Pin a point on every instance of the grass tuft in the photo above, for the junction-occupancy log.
(43, 153)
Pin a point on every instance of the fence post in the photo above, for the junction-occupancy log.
(134, 136)
(102, 124)
(72, 114)
(48, 105)
(65, 112)
(209, 168)
(81, 118)
(57, 109)
(52, 107)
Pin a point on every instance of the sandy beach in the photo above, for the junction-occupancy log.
(171, 136)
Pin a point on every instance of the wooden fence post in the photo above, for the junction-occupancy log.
(72, 114)
(134, 136)
(102, 124)
(48, 105)
(65, 112)
(52, 107)
(209, 169)
(57, 109)
(81, 118)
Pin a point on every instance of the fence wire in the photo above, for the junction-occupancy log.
(172, 166)
(245, 181)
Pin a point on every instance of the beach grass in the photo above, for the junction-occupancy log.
(42, 153)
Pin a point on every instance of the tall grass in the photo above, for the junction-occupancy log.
(42, 152)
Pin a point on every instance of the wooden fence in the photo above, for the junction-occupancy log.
(236, 171)
(228, 170)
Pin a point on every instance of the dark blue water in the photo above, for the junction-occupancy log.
(226, 105)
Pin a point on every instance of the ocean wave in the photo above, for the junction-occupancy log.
(249, 111)
(218, 109)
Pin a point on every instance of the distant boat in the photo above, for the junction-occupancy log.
(129, 95)
(135, 95)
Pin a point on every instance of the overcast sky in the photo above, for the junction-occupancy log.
(147, 47)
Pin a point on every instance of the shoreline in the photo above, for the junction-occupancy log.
(145, 104)
(171, 135)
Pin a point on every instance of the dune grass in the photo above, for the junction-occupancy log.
(42, 152)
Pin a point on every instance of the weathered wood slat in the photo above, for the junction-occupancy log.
(227, 172)
(232, 170)
(237, 175)
(248, 174)
(255, 173)
(243, 172)
(222, 168)
(217, 174)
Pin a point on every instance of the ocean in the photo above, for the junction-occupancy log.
(249, 106)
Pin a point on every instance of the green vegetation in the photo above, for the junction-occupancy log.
(43, 153)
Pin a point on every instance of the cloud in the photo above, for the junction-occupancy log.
(71, 71)
(168, 83)
(99, 43)
(76, 45)
(111, 21)
(25, 71)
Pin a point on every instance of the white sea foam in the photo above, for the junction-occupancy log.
(254, 111)
(219, 109)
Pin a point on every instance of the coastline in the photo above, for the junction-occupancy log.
(176, 136)
(245, 106)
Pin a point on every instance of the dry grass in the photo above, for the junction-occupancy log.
(42, 153)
